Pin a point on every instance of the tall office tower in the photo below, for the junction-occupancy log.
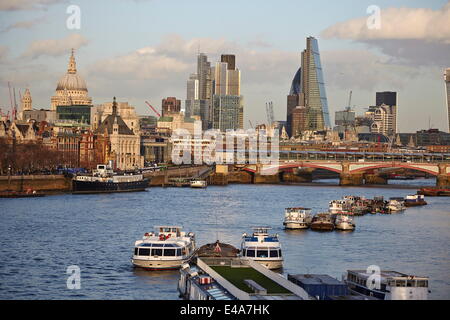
(313, 88)
(204, 77)
(230, 59)
(293, 100)
(170, 105)
(447, 83)
(389, 99)
(192, 88)
(220, 78)
(228, 112)
(308, 88)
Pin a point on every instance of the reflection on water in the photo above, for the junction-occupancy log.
(41, 237)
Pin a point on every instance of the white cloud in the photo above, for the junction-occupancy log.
(28, 24)
(4, 50)
(15, 5)
(54, 47)
(413, 36)
(398, 23)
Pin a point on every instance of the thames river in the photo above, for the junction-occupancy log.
(41, 237)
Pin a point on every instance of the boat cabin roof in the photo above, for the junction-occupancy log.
(168, 228)
(387, 274)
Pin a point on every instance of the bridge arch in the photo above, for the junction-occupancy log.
(427, 168)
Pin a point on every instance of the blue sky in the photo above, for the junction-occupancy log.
(267, 37)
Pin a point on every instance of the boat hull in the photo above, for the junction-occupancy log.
(295, 225)
(435, 192)
(87, 187)
(345, 226)
(159, 265)
(272, 264)
(415, 204)
(321, 226)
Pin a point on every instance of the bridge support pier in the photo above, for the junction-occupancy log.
(266, 179)
(375, 179)
(347, 179)
(443, 179)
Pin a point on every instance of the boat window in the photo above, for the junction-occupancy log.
(250, 253)
(179, 252)
(146, 245)
(144, 252)
(261, 253)
(422, 283)
(274, 253)
(411, 283)
(135, 251)
(400, 283)
(157, 252)
(279, 253)
(169, 252)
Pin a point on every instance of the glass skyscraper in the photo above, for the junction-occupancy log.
(313, 87)
(308, 88)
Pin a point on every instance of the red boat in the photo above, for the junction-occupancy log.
(434, 192)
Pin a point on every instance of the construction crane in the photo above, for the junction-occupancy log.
(154, 110)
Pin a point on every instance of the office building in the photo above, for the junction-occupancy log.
(170, 105)
(230, 59)
(308, 88)
(228, 112)
(204, 76)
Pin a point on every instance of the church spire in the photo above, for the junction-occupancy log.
(114, 107)
(72, 68)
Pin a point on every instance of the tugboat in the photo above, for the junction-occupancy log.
(322, 222)
(344, 223)
(168, 249)
(297, 218)
(105, 180)
(262, 248)
(415, 200)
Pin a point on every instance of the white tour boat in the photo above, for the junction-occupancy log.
(339, 206)
(168, 249)
(199, 184)
(262, 248)
(387, 285)
(297, 218)
(344, 222)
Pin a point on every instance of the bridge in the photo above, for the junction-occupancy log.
(354, 168)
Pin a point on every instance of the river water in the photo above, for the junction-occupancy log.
(40, 238)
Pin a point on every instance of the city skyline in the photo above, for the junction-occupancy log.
(157, 61)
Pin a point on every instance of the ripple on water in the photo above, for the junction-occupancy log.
(97, 233)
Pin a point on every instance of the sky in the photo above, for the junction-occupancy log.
(145, 50)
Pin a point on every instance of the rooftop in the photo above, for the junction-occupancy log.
(237, 276)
